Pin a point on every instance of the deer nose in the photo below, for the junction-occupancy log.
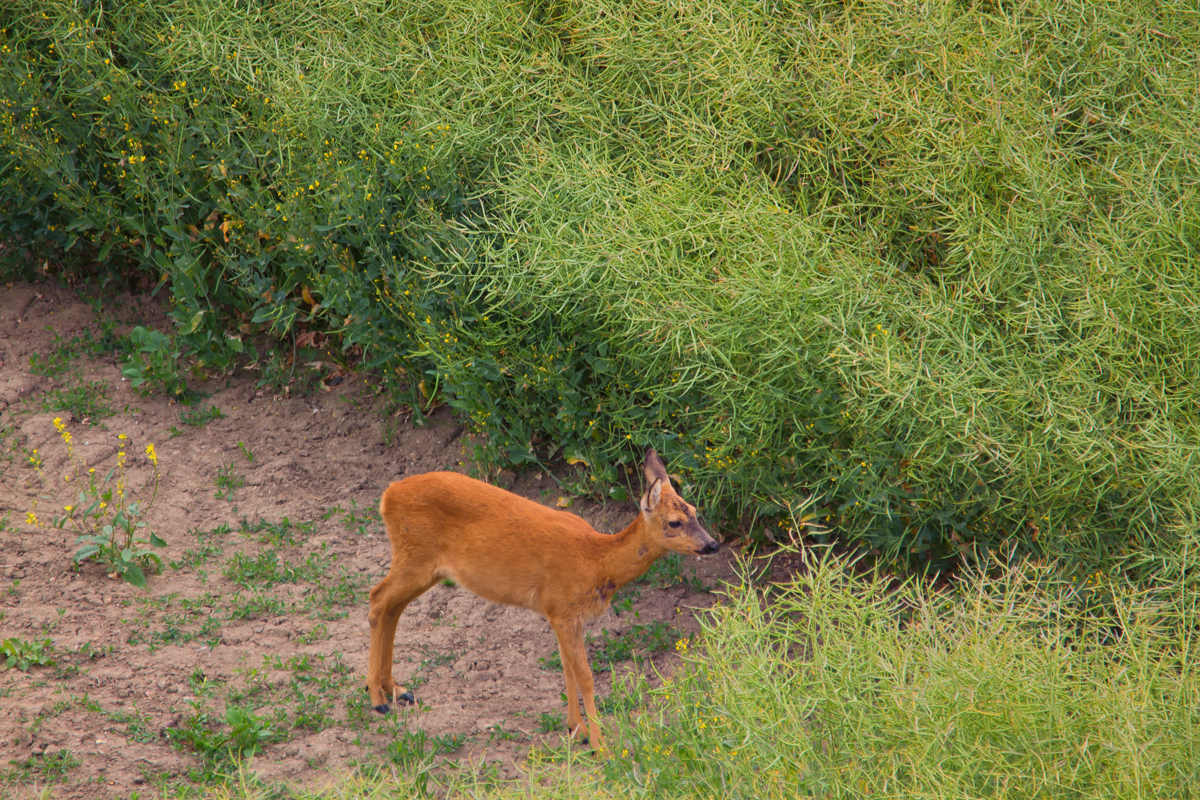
(710, 548)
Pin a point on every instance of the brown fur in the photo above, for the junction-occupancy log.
(514, 551)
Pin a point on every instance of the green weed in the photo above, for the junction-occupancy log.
(550, 721)
(243, 734)
(201, 416)
(266, 569)
(45, 768)
(23, 654)
(64, 352)
(153, 364)
(109, 523)
(257, 605)
(227, 481)
(283, 533)
(84, 401)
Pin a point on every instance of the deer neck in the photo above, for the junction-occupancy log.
(630, 553)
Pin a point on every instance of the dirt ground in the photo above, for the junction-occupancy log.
(272, 543)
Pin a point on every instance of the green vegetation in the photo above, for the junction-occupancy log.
(22, 655)
(228, 481)
(201, 416)
(106, 518)
(45, 768)
(932, 267)
(85, 401)
(919, 278)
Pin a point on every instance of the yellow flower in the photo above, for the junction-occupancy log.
(67, 508)
(31, 519)
(122, 437)
(151, 454)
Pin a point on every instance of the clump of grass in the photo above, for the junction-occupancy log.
(840, 686)
(84, 401)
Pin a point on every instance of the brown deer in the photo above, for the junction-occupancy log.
(511, 550)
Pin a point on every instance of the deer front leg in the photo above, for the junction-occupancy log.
(574, 720)
(575, 664)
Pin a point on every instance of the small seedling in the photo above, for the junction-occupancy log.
(227, 481)
(550, 722)
(497, 733)
(246, 451)
(201, 417)
(23, 655)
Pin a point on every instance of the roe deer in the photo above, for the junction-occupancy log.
(511, 550)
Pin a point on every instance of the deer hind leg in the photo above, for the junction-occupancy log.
(579, 679)
(389, 598)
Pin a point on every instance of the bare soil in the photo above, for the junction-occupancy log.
(261, 601)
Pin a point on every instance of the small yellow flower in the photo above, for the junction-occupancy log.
(122, 437)
(151, 454)
(31, 518)
(67, 508)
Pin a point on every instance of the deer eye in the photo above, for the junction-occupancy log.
(675, 523)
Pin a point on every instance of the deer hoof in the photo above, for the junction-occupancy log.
(408, 699)
(382, 708)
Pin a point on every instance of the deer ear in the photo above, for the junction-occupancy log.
(654, 468)
(651, 497)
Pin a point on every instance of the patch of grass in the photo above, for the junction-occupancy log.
(434, 659)
(46, 768)
(63, 352)
(266, 569)
(138, 727)
(83, 401)
(409, 750)
(157, 625)
(498, 733)
(227, 481)
(317, 633)
(665, 572)
(201, 416)
(331, 599)
(551, 721)
(283, 533)
(256, 605)
(653, 637)
(205, 551)
(362, 521)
